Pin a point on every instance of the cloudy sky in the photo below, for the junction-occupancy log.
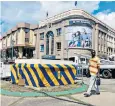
(34, 11)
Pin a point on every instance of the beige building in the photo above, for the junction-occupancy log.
(59, 37)
(74, 32)
(21, 38)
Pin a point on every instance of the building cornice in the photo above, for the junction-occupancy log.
(23, 25)
(73, 13)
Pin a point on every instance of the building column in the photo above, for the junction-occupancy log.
(104, 39)
(113, 45)
(62, 41)
(20, 52)
(96, 39)
(93, 37)
(55, 50)
(45, 39)
(50, 39)
(102, 43)
(101, 34)
(106, 43)
(37, 45)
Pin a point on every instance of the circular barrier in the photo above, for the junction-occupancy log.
(82, 88)
(44, 75)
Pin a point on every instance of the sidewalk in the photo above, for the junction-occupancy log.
(104, 99)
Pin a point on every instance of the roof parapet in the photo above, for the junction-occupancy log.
(36, 26)
(23, 25)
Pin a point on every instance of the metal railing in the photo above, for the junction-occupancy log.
(4, 70)
(79, 75)
(80, 69)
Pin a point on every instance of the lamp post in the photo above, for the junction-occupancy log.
(67, 50)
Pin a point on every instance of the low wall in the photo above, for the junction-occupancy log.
(44, 75)
(42, 61)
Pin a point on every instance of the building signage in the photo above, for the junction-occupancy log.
(52, 57)
(79, 21)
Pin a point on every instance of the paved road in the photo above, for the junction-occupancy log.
(107, 85)
(37, 101)
(105, 99)
(107, 96)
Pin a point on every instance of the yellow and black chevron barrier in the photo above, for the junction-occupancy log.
(43, 75)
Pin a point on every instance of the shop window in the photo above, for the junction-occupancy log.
(41, 48)
(41, 36)
(59, 31)
(58, 46)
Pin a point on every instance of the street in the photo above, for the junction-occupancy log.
(107, 85)
(106, 98)
(37, 101)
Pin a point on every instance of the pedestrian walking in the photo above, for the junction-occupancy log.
(94, 67)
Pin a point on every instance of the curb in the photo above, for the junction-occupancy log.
(43, 94)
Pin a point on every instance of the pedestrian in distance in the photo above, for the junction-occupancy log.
(94, 67)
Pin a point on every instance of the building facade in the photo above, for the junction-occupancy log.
(59, 37)
(74, 32)
(21, 39)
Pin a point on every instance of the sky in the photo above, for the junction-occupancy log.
(32, 12)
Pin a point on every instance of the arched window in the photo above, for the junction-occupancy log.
(48, 35)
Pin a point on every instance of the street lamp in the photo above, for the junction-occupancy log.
(67, 50)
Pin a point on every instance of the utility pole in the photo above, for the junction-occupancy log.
(67, 53)
(67, 50)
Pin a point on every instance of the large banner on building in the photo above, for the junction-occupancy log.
(79, 36)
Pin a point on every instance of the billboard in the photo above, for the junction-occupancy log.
(78, 36)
